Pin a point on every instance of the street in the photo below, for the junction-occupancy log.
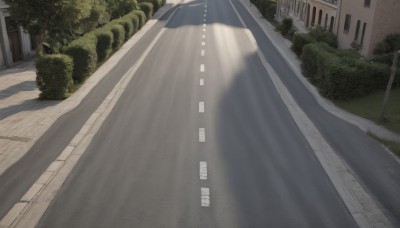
(201, 138)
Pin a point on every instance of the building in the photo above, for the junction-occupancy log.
(323, 13)
(295, 9)
(365, 23)
(16, 45)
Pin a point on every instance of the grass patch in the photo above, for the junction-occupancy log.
(392, 145)
(369, 107)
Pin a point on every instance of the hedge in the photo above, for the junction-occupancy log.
(148, 9)
(141, 16)
(128, 26)
(156, 4)
(54, 76)
(118, 35)
(105, 40)
(83, 52)
(299, 41)
(135, 21)
(321, 35)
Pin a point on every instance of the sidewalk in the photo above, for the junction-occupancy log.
(283, 46)
(24, 118)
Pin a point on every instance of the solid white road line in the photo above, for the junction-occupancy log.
(203, 170)
(205, 197)
(201, 82)
(202, 135)
(365, 211)
(202, 68)
(203, 52)
(201, 106)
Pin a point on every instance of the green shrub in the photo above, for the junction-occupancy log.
(54, 76)
(349, 56)
(83, 52)
(340, 83)
(119, 8)
(309, 63)
(286, 25)
(118, 35)
(147, 8)
(128, 26)
(156, 4)
(299, 41)
(135, 21)
(321, 35)
(105, 40)
(141, 16)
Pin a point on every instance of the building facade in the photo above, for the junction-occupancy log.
(295, 9)
(16, 45)
(365, 23)
(323, 13)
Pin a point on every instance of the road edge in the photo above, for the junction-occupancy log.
(28, 211)
(361, 206)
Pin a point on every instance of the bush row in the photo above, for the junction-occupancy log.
(317, 34)
(343, 74)
(56, 74)
(266, 7)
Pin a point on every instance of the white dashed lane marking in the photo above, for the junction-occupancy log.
(203, 43)
(201, 82)
(203, 52)
(202, 135)
(203, 36)
(205, 197)
(202, 69)
(201, 106)
(204, 25)
(204, 29)
(203, 170)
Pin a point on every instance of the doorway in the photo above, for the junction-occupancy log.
(14, 39)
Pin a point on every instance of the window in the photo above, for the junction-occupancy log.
(363, 33)
(347, 22)
(357, 30)
(367, 3)
(326, 21)
(331, 24)
(319, 17)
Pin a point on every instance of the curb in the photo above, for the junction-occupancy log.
(362, 123)
(75, 99)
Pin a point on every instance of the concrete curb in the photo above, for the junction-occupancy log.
(362, 123)
(31, 207)
(361, 206)
(75, 99)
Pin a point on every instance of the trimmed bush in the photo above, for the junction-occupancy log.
(83, 52)
(135, 21)
(128, 26)
(321, 35)
(141, 16)
(339, 84)
(118, 35)
(156, 4)
(147, 8)
(105, 40)
(54, 76)
(119, 8)
(299, 41)
(309, 61)
(286, 25)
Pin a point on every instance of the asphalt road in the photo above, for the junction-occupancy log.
(142, 167)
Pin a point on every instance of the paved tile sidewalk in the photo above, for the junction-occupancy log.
(24, 118)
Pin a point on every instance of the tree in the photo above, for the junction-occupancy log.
(55, 18)
(118, 8)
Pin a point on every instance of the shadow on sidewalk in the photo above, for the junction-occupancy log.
(24, 86)
(27, 105)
